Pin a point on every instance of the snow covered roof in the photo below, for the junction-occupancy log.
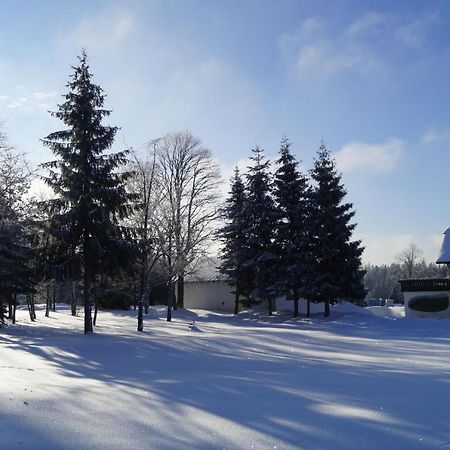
(444, 254)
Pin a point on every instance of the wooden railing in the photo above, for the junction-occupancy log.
(431, 284)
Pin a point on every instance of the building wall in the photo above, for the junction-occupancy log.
(217, 296)
(412, 313)
(210, 295)
(288, 305)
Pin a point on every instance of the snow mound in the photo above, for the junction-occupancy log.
(346, 308)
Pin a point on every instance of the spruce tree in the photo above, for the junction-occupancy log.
(337, 271)
(232, 234)
(292, 241)
(261, 219)
(91, 200)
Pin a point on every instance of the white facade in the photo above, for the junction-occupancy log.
(413, 313)
(216, 296)
(210, 295)
(288, 305)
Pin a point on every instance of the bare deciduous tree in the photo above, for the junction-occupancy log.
(187, 182)
(142, 184)
(410, 259)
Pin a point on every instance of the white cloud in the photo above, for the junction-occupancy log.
(28, 99)
(325, 58)
(414, 34)
(359, 156)
(362, 46)
(368, 23)
(103, 31)
(434, 135)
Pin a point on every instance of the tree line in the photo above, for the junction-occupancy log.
(121, 222)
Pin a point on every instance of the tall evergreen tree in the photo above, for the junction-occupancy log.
(232, 234)
(261, 219)
(292, 241)
(337, 271)
(91, 198)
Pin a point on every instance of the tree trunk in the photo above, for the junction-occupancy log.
(94, 322)
(327, 308)
(73, 299)
(2, 311)
(308, 308)
(146, 302)
(180, 291)
(236, 302)
(33, 310)
(140, 326)
(87, 303)
(54, 297)
(47, 301)
(30, 307)
(14, 309)
(169, 302)
(296, 306)
(270, 305)
(10, 310)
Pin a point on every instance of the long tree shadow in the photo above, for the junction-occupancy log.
(269, 380)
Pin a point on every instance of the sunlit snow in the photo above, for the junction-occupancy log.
(360, 379)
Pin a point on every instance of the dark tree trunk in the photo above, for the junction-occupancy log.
(169, 302)
(33, 310)
(135, 302)
(270, 305)
(54, 298)
(296, 306)
(73, 299)
(327, 308)
(308, 308)
(47, 301)
(180, 291)
(87, 303)
(146, 302)
(10, 311)
(140, 326)
(30, 301)
(94, 322)
(2, 312)
(236, 302)
(14, 309)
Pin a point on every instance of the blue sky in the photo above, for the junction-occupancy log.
(370, 78)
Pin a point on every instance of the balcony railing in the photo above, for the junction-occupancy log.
(431, 284)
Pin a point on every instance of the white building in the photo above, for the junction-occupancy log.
(216, 295)
(431, 297)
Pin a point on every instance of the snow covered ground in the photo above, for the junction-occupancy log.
(361, 379)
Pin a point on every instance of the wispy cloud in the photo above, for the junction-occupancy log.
(414, 34)
(27, 99)
(360, 46)
(103, 31)
(369, 23)
(380, 158)
(433, 136)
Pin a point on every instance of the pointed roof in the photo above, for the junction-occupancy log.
(444, 254)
